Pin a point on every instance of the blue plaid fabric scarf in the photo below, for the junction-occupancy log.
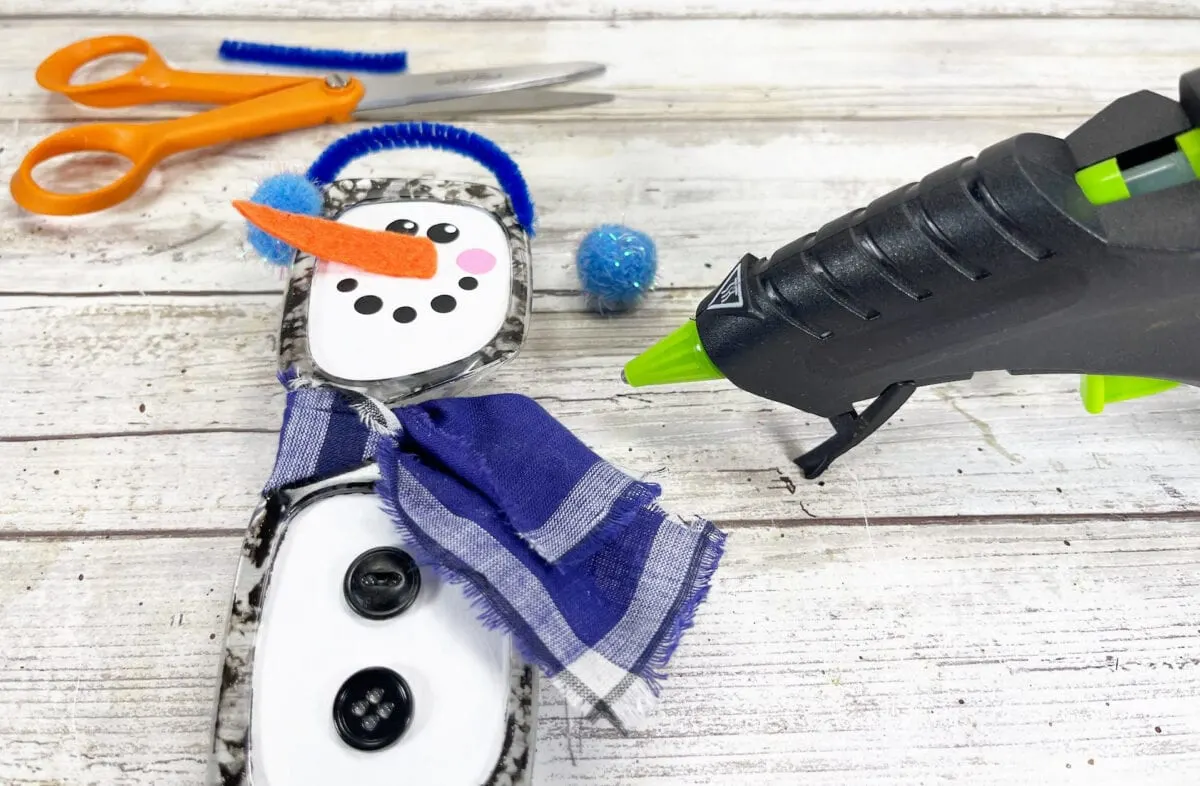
(570, 556)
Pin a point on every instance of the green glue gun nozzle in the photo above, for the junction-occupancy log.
(1098, 390)
(678, 358)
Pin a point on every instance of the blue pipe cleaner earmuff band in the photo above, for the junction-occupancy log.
(429, 135)
(307, 57)
(301, 194)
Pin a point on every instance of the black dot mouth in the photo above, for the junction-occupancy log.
(443, 304)
(368, 304)
(373, 304)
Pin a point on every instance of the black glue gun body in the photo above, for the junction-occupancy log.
(1039, 256)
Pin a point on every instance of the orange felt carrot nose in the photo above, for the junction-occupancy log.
(385, 253)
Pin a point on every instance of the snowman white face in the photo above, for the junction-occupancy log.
(365, 326)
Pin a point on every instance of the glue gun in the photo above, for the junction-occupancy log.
(1040, 255)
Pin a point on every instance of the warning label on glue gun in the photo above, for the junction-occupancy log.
(729, 294)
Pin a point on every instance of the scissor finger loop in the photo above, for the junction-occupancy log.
(128, 140)
(55, 72)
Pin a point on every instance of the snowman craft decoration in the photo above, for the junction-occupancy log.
(420, 559)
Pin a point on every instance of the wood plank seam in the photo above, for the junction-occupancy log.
(732, 525)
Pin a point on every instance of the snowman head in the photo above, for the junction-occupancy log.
(367, 326)
(399, 288)
(357, 320)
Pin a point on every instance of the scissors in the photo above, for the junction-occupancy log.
(251, 106)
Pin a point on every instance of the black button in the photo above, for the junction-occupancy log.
(347, 285)
(404, 314)
(382, 583)
(468, 283)
(372, 709)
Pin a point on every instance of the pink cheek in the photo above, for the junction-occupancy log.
(476, 260)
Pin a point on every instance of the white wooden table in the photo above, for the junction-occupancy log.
(997, 588)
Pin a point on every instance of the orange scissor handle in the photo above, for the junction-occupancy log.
(312, 103)
(149, 82)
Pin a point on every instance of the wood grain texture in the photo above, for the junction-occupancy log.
(991, 654)
(591, 9)
(172, 483)
(110, 658)
(725, 69)
(85, 376)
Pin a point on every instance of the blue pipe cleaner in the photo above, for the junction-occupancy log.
(429, 135)
(307, 57)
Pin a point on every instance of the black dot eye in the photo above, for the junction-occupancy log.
(468, 283)
(404, 315)
(442, 233)
(403, 226)
(368, 304)
(443, 304)
(347, 285)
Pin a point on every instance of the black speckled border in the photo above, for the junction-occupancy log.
(340, 196)
(230, 757)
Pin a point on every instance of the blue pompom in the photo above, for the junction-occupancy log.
(616, 266)
(291, 193)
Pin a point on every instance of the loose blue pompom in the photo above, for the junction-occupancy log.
(616, 266)
(291, 193)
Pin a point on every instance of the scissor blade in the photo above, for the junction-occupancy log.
(385, 92)
(519, 101)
